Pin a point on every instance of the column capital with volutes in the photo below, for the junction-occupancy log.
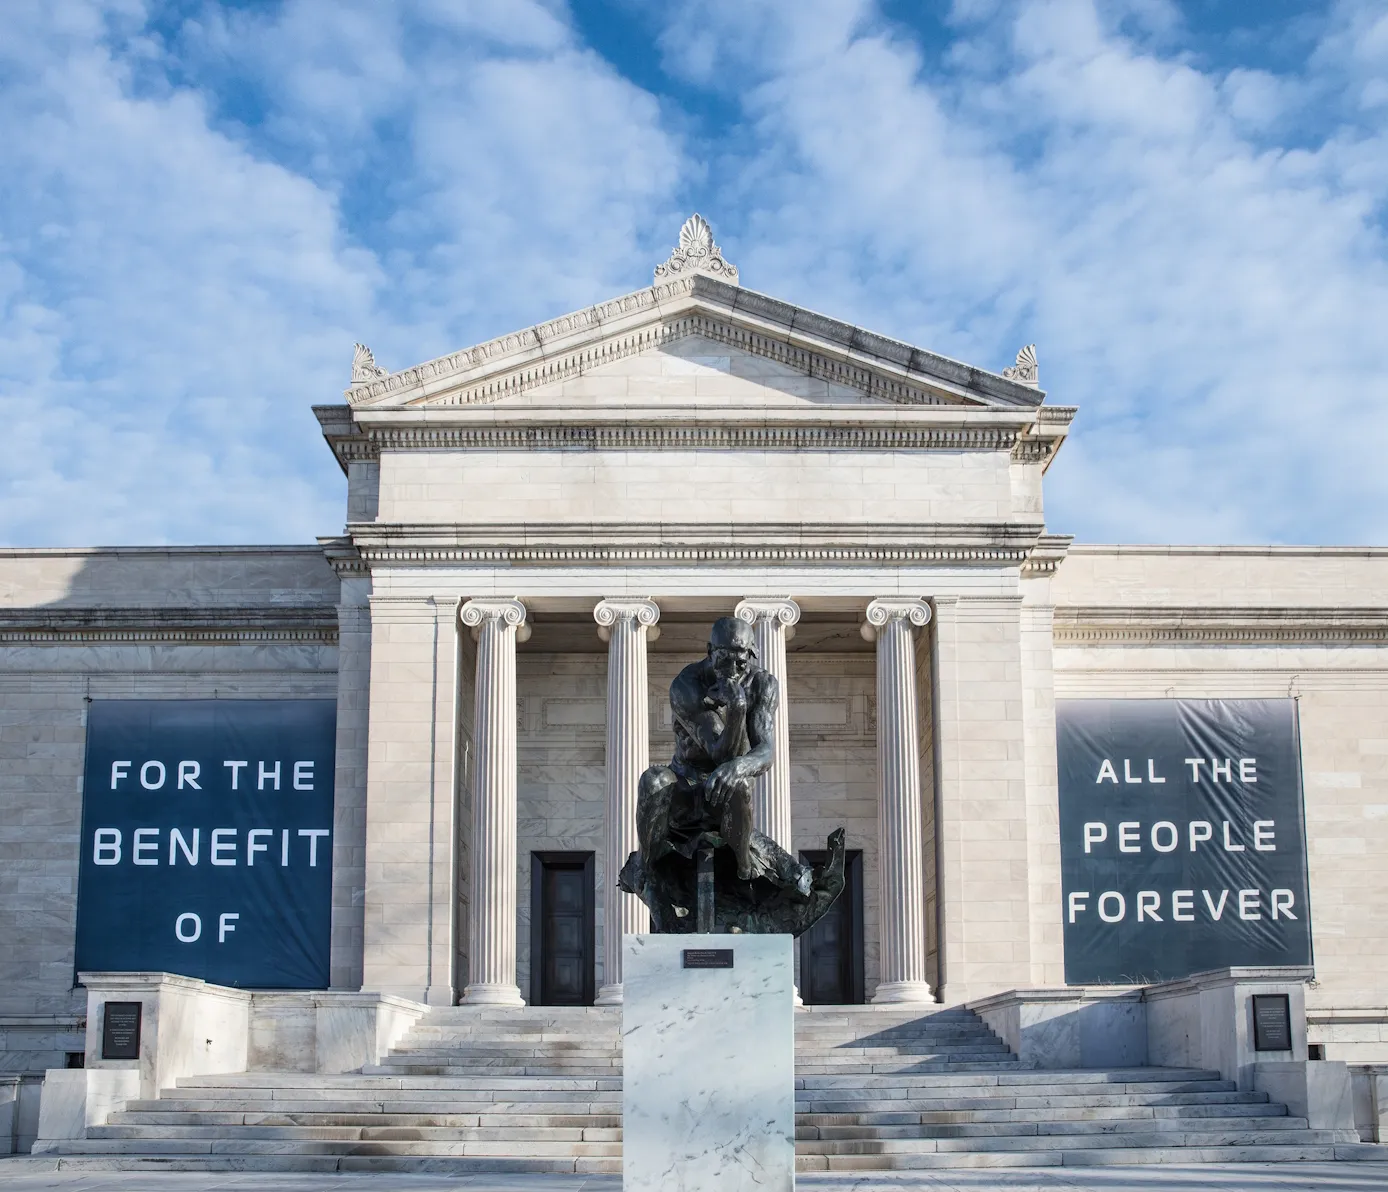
(887, 608)
(507, 609)
(781, 609)
(640, 609)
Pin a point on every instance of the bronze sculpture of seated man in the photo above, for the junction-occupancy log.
(724, 709)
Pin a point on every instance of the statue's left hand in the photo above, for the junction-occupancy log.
(725, 782)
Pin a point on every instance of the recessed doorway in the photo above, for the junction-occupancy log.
(831, 952)
(561, 929)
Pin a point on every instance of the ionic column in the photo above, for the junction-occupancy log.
(626, 625)
(773, 622)
(492, 914)
(892, 621)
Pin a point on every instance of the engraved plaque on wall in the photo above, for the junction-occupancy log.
(120, 1031)
(1272, 1022)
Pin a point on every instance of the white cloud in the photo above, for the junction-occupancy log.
(180, 279)
(1213, 303)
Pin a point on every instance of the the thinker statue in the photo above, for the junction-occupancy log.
(701, 864)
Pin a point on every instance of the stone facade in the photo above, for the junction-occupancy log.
(697, 448)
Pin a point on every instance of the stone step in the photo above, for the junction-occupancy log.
(611, 1121)
(299, 1084)
(913, 1102)
(521, 1136)
(250, 1146)
(1117, 1157)
(1129, 1113)
(1013, 1081)
(485, 1072)
(1073, 1142)
(1047, 1128)
(472, 1101)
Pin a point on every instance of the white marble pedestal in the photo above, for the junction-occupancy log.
(708, 1063)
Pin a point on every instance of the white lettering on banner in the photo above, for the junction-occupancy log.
(219, 846)
(1248, 769)
(106, 846)
(226, 925)
(144, 780)
(284, 849)
(1128, 774)
(235, 768)
(313, 834)
(140, 844)
(1165, 835)
(1112, 906)
(1106, 771)
(1151, 771)
(1077, 902)
(1170, 845)
(303, 776)
(176, 838)
(196, 929)
(1221, 767)
(1195, 763)
(189, 772)
(252, 847)
(263, 774)
(1117, 915)
(119, 770)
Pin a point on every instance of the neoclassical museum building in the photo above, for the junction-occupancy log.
(404, 759)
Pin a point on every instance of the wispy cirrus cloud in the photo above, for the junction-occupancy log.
(204, 205)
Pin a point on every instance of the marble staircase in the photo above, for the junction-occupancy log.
(539, 1090)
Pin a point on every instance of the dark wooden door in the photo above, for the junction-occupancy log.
(561, 933)
(831, 952)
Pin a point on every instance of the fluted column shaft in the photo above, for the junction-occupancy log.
(773, 622)
(899, 816)
(626, 624)
(492, 913)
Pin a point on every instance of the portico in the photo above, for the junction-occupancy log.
(544, 525)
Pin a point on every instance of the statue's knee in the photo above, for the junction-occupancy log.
(654, 783)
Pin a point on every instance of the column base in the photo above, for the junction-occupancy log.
(492, 995)
(895, 992)
(609, 995)
(440, 995)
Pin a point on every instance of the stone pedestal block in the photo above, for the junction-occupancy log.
(708, 1060)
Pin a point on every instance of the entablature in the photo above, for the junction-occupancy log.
(622, 545)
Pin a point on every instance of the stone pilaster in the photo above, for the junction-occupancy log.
(349, 791)
(903, 944)
(492, 912)
(411, 799)
(773, 622)
(986, 878)
(626, 624)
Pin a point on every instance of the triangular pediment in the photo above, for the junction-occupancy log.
(694, 340)
(692, 370)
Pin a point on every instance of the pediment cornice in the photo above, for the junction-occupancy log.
(884, 369)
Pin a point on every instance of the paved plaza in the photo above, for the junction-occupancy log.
(30, 1175)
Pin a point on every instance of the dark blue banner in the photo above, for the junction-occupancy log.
(1181, 837)
(207, 840)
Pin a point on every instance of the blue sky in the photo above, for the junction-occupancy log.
(1183, 204)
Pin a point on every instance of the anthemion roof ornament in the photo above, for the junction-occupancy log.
(696, 253)
(365, 370)
(1026, 371)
